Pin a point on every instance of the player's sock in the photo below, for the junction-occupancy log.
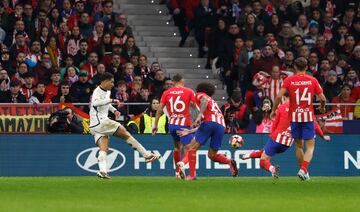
(256, 153)
(304, 166)
(177, 157)
(192, 163)
(102, 161)
(221, 159)
(266, 165)
(185, 159)
(136, 146)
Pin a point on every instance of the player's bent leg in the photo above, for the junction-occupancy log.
(252, 154)
(122, 133)
(267, 166)
(214, 156)
(103, 143)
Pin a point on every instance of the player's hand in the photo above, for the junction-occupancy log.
(327, 138)
(154, 130)
(117, 115)
(321, 109)
(272, 114)
(197, 121)
(183, 132)
(117, 102)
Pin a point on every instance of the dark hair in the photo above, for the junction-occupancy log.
(121, 82)
(206, 87)
(83, 41)
(107, 1)
(286, 94)
(106, 76)
(64, 83)
(177, 78)
(301, 63)
(40, 83)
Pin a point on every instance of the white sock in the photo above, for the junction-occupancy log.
(102, 161)
(272, 169)
(136, 146)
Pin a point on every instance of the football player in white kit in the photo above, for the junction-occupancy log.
(102, 127)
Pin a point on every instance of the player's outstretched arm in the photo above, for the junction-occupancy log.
(203, 105)
(322, 100)
(184, 131)
(157, 117)
(277, 101)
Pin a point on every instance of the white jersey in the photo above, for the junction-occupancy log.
(100, 106)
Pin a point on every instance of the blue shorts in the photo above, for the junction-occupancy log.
(302, 130)
(184, 139)
(211, 130)
(271, 147)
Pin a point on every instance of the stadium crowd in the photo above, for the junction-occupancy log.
(55, 51)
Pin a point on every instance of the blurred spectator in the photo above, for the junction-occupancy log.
(4, 80)
(82, 55)
(52, 88)
(322, 74)
(39, 95)
(142, 97)
(64, 121)
(106, 15)
(267, 61)
(63, 94)
(13, 95)
(354, 60)
(129, 73)
(158, 85)
(147, 120)
(130, 48)
(122, 19)
(301, 28)
(262, 116)
(142, 69)
(236, 114)
(352, 78)
(332, 86)
(204, 21)
(43, 70)
(347, 111)
(28, 88)
(91, 64)
(71, 76)
(81, 90)
(101, 69)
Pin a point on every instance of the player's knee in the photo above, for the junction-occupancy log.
(177, 146)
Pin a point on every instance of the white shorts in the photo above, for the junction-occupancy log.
(105, 128)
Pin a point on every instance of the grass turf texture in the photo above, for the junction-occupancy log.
(167, 194)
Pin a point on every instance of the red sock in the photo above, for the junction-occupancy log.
(177, 158)
(185, 159)
(256, 154)
(192, 163)
(221, 159)
(304, 166)
(265, 164)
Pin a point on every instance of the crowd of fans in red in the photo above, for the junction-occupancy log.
(55, 51)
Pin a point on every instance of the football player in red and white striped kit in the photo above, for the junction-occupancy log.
(177, 101)
(301, 88)
(280, 139)
(212, 125)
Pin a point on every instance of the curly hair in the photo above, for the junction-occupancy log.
(206, 87)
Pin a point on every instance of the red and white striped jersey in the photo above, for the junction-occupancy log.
(301, 88)
(281, 131)
(177, 101)
(212, 112)
(274, 87)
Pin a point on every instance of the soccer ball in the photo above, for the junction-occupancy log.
(236, 141)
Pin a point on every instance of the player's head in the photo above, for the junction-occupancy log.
(178, 80)
(107, 81)
(206, 87)
(301, 64)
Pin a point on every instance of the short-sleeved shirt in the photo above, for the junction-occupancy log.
(301, 88)
(212, 112)
(177, 101)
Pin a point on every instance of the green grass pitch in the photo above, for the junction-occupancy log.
(167, 194)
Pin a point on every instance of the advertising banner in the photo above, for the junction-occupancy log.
(24, 124)
(75, 155)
